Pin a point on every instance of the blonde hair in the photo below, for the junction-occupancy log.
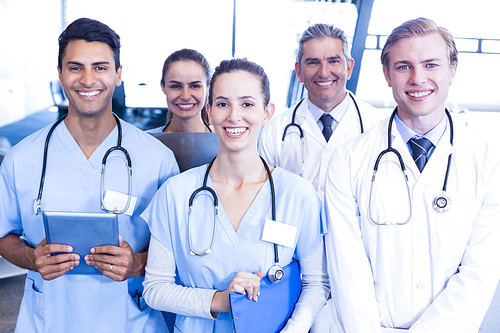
(416, 27)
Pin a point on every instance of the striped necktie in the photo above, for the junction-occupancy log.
(420, 148)
(327, 119)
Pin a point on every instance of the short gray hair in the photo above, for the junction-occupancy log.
(319, 31)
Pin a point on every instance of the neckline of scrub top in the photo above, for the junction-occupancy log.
(95, 160)
(261, 201)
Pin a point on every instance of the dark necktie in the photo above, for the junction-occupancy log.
(327, 119)
(420, 149)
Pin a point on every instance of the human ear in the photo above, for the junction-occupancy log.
(268, 113)
(298, 70)
(387, 76)
(350, 66)
(209, 113)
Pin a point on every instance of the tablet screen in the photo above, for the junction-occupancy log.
(82, 231)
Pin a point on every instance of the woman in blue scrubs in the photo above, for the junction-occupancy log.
(236, 255)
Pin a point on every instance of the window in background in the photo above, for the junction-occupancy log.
(267, 32)
(474, 87)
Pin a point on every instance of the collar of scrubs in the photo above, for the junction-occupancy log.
(337, 112)
(434, 135)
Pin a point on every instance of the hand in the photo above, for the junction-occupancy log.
(117, 262)
(242, 283)
(53, 266)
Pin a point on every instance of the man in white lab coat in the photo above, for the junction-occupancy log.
(424, 258)
(324, 65)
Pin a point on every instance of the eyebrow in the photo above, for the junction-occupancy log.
(240, 98)
(407, 62)
(93, 64)
(178, 82)
(329, 58)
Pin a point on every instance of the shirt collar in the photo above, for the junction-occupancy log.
(434, 135)
(337, 112)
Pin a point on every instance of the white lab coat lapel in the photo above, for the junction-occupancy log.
(347, 128)
(305, 119)
(439, 158)
(398, 144)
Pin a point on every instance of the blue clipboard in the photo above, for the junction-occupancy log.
(274, 306)
(82, 231)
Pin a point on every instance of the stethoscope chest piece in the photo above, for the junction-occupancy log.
(441, 203)
(275, 273)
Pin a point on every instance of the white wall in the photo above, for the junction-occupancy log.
(28, 56)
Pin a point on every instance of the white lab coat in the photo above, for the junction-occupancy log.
(317, 150)
(82, 303)
(439, 272)
(317, 153)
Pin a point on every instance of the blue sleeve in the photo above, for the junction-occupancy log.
(168, 167)
(157, 216)
(10, 218)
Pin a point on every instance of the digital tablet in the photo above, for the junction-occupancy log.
(82, 231)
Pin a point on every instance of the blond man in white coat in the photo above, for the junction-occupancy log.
(424, 258)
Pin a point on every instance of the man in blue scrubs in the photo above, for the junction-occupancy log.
(55, 301)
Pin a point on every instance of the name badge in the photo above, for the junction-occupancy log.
(279, 233)
(117, 201)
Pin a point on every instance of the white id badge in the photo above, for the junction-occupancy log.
(115, 201)
(279, 233)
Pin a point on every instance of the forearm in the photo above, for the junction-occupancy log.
(140, 260)
(162, 293)
(17, 251)
(314, 293)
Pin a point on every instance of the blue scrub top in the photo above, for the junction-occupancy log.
(243, 250)
(82, 303)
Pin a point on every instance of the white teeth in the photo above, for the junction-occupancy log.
(324, 83)
(420, 94)
(236, 131)
(89, 93)
(185, 106)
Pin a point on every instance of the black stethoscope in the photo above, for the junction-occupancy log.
(37, 203)
(168, 123)
(442, 201)
(275, 273)
(301, 132)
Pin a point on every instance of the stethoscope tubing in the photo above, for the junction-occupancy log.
(294, 124)
(442, 196)
(37, 204)
(212, 192)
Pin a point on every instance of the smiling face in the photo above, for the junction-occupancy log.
(89, 77)
(419, 72)
(238, 111)
(185, 88)
(324, 70)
